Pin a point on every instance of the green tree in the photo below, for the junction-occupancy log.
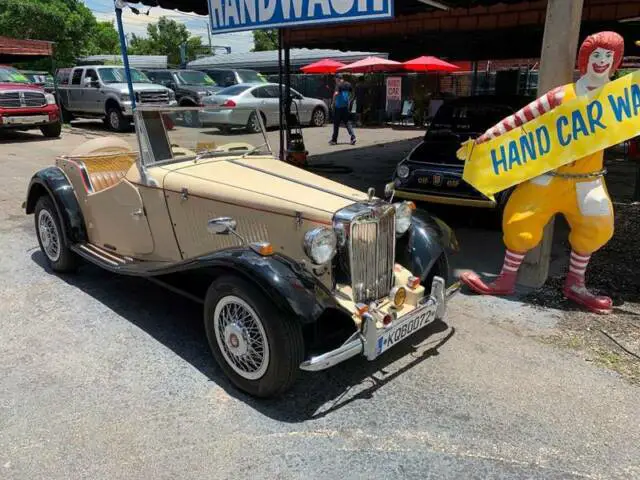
(68, 23)
(165, 38)
(105, 39)
(265, 40)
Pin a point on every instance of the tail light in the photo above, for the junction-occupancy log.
(386, 321)
(229, 103)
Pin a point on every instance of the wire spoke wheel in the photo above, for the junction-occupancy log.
(49, 235)
(241, 337)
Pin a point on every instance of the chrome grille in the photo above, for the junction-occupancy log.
(22, 99)
(10, 100)
(372, 254)
(153, 97)
(34, 99)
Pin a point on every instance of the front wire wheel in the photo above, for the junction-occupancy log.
(241, 337)
(258, 347)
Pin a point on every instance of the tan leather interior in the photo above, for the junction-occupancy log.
(105, 170)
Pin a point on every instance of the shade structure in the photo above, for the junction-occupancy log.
(326, 66)
(429, 64)
(371, 65)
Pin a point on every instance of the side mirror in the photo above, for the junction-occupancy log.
(222, 225)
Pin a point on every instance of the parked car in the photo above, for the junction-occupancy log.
(241, 102)
(102, 91)
(190, 86)
(295, 272)
(432, 172)
(24, 106)
(42, 79)
(227, 77)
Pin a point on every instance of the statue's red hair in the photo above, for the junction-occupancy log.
(607, 40)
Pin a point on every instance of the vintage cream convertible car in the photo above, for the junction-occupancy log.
(295, 271)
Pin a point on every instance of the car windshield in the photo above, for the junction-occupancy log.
(11, 75)
(117, 75)
(467, 117)
(233, 91)
(250, 76)
(40, 78)
(192, 77)
(176, 134)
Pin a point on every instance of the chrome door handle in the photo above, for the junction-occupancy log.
(138, 213)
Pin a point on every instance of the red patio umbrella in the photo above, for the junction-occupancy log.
(326, 66)
(429, 64)
(371, 65)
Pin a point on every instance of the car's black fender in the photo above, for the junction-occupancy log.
(428, 241)
(53, 182)
(292, 288)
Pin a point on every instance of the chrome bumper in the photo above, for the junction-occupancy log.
(365, 341)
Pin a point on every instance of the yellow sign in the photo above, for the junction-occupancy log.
(569, 132)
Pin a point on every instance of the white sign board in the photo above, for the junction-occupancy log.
(236, 15)
(394, 93)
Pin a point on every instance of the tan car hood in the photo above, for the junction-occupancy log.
(263, 183)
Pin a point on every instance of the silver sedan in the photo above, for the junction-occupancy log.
(238, 106)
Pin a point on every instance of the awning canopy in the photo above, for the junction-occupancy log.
(402, 7)
(16, 50)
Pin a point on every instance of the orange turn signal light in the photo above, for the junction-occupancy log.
(413, 282)
(362, 308)
(263, 248)
(412, 205)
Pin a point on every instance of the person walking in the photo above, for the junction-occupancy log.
(341, 109)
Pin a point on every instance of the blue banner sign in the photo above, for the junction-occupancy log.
(236, 15)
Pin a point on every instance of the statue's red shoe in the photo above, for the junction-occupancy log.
(505, 284)
(575, 290)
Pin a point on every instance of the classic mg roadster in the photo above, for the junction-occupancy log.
(295, 272)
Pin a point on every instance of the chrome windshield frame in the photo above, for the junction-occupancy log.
(147, 159)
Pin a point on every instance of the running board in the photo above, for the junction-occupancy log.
(117, 263)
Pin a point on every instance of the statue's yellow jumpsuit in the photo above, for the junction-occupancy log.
(573, 191)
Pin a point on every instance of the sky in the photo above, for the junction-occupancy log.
(197, 24)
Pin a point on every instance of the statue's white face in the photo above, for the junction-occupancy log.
(600, 63)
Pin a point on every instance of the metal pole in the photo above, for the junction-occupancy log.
(282, 139)
(474, 78)
(209, 35)
(287, 86)
(119, 5)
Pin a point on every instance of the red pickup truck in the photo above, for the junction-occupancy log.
(24, 106)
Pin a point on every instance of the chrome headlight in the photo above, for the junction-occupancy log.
(51, 100)
(125, 97)
(320, 245)
(404, 213)
(403, 171)
(172, 95)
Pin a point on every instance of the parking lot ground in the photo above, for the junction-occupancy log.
(107, 377)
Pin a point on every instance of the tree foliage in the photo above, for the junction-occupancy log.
(165, 38)
(68, 23)
(265, 40)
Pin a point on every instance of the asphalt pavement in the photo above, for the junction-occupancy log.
(107, 377)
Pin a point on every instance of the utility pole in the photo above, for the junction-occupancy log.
(557, 63)
(209, 35)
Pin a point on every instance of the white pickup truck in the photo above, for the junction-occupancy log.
(101, 91)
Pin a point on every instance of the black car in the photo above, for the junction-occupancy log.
(227, 77)
(432, 172)
(190, 86)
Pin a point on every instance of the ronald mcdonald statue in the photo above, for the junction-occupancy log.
(576, 190)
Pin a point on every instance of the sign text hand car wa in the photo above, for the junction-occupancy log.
(236, 15)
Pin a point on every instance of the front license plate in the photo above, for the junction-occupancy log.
(26, 120)
(408, 326)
